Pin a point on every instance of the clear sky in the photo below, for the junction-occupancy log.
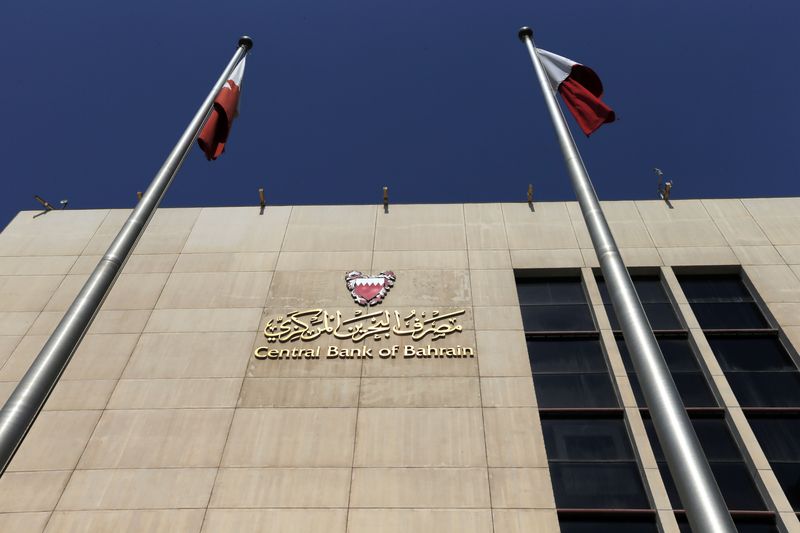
(436, 99)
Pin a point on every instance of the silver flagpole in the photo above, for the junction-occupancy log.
(698, 490)
(29, 396)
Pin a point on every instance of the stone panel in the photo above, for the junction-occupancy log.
(421, 227)
(508, 392)
(175, 393)
(27, 293)
(330, 228)
(128, 521)
(158, 438)
(56, 233)
(420, 392)
(281, 487)
(502, 353)
(521, 488)
(215, 289)
(525, 521)
(427, 437)
(547, 227)
(203, 320)
(31, 491)
(420, 520)
(299, 392)
(57, 265)
(485, 227)
(55, 441)
(190, 355)
(341, 262)
(420, 488)
(291, 437)
(173, 488)
(227, 262)
(514, 437)
(275, 520)
(238, 229)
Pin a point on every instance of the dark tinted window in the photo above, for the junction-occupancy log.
(788, 475)
(680, 358)
(594, 524)
(766, 389)
(676, 350)
(557, 318)
(586, 439)
(692, 387)
(598, 486)
(714, 288)
(737, 353)
(654, 299)
(566, 355)
(545, 291)
(779, 436)
(743, 524)
(574, 390)
(734, 480)
(729, 316)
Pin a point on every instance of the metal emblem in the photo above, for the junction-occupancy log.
(369, 290)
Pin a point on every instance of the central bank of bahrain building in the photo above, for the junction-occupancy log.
(428, 369)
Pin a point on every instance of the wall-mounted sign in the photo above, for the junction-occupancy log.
(311, 324)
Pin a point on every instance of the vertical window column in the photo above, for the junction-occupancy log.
(758, 366)
(593, 469)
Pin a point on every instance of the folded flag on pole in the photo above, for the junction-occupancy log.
(580, 88)
(215, 133)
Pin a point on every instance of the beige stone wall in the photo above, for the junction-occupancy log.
(164, 421)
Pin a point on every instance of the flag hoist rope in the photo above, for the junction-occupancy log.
(697, 488)
(29, 396)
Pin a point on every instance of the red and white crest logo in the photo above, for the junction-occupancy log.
(369, 290)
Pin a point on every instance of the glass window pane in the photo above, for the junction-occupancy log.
(750, 353)
(677, 353)
(779, 436)
(598, 486)
(714, 436)
(574, 390)
(714, 288)
(594, 524)
(557, 318)
(766, 389)
(692, 387)
(586, 439)
(566, 355)
(648, 288)
(738, 488)
(788, 475)
(744, 315)
(743, 524)
(538, 291)
(661, 316)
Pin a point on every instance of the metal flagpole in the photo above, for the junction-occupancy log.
(29, 396)
(697, 488)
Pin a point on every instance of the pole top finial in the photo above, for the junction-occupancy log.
(246, 41)
(525, 32)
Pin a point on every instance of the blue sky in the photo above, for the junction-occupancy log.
(436, 99)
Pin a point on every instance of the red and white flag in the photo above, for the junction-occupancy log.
(215, 133)
(580, 88)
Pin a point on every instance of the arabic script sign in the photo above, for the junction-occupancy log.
(311, 324)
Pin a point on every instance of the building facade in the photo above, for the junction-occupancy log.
(427, 368)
